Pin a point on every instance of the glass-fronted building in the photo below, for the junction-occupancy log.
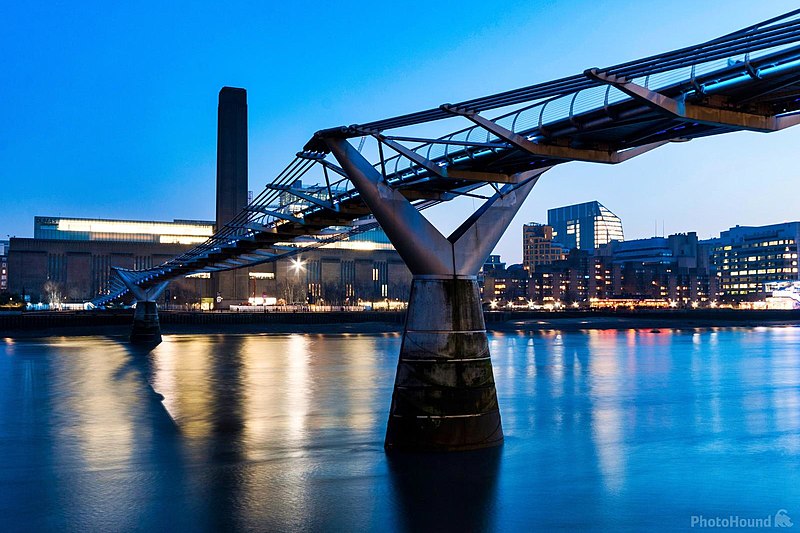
(747, 257)
(145, 231)
(584, 226)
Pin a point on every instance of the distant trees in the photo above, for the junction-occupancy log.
(291, 288)
(365, 290)
(333, 293)
(52, 294)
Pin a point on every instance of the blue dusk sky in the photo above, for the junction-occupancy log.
(109, 109)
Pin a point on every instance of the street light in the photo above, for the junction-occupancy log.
(297, 265)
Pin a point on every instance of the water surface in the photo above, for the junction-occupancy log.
(604, 430)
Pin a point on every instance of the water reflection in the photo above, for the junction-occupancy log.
(445, 492)
(285, 432)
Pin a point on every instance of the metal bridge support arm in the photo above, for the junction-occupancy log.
(418, 242)
(444, 393)
(475, 239)
(141, 294)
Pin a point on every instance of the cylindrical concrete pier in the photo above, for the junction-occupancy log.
(146, 328)
(444, 394)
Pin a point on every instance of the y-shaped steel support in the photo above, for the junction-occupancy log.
(146, 328)
(444, 393)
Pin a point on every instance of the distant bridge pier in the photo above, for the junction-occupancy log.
(146, 328)
(444, 395)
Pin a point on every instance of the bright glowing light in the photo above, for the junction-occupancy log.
(297, 265)
(260, 300)
(180, 239)
(262, 275)
(170, 229)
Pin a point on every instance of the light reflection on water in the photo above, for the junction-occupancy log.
(604, 430)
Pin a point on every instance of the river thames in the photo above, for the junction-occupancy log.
(605, 430)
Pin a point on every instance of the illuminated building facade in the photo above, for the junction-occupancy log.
(362, 268)
(87, 229)
(3, 266)
(584, 226)
(674, 270)
(747, 257)
(501, 284)
(538, 247)
(76, 256)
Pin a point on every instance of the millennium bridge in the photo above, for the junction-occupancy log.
(444, 395)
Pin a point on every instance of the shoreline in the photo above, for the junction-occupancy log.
(118, 324)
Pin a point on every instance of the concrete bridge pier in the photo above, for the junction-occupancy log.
(146, 328)
(444, 395)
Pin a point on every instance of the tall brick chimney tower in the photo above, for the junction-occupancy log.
(232, 285)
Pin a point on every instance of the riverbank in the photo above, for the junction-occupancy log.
(117, 323)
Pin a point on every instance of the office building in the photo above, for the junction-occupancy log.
(679, 250)
(493, 262)
(538, 247)
(660, 272)
(584, 226)
(501, 284)
(747, 257)
(3, 266)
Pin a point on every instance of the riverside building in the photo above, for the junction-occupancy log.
(3, 266)
(538, 247)
(747, 257)
(661, 272)
(75, 255)
(70, 259)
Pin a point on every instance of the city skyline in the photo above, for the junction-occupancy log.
(118, 122)
(355, 266)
